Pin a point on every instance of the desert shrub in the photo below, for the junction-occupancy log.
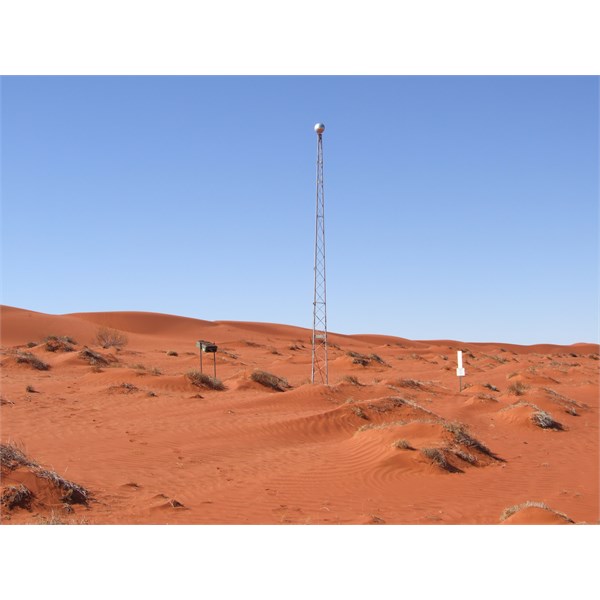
(72, 493)
(124, 388)
(53, 343)
(489, 386)
(462, 436)
(203, 380)
(544, 420)
(12, 457)
(377, 359)
(16, 496)
(271, 381)
(32, 360)
(437, 456)
(359, 359)
(107, 338)
(93, 358)
(156, 371)
(32, 344)
(151, 394)
(172, 353)
(411, 383)
(30, 389)
(351, 380)
(402, 444)
(466, 456)
(518, 388)
(359, 412)
(511, 510)
(295, 347)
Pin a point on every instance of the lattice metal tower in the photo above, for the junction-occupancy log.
(319, 337)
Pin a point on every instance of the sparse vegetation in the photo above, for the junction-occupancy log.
(108, 338)
(124, 388)
(172, 353)
(511, 510)
(436, 456)
(489, 386)
(32, 344)
(12, 457)
(463, 437)
(16, 496)
(271, 381)
(544, 420)
(156, 371)
(359, 359)
(411, 383)
(402, 444)
(32, 360)
(359, 412)
(30, 389)
(351, 380)
(203, 380)
(93, 358)
(518, 388)
(63, 343)
(377, 359)
(463, 455)
(296, 347)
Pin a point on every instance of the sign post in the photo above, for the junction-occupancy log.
(460, 371)
(205, 346)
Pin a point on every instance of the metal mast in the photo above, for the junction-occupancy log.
(319, 337)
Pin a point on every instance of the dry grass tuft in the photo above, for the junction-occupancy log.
(107, 338)
(511, 510)
(32, 360)
(436, 456)
(12, 457)
(466, 456)
(351, 380)
(14, 496)
(93, 358)
(360, 413)
(402, 444)
(463, 437)
(269, 380)
(203, 380)
(172, 353)
(518, 388)
(63, 343)
(124, 388)
(544, 420)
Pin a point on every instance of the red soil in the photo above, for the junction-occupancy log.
(312, 454)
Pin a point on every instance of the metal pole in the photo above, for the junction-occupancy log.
(319, 371)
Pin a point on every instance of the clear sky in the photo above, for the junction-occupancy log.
(456, 207)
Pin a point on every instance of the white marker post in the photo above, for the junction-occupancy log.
(460, 372)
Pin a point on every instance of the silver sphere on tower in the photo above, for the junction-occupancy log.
(319, 128)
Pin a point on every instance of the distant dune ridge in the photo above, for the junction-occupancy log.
(137, 439)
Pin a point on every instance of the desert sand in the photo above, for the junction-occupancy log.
(123, 436)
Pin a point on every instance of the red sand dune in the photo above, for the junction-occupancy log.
(391, 441)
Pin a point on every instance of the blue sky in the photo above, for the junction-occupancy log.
(456, 207)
